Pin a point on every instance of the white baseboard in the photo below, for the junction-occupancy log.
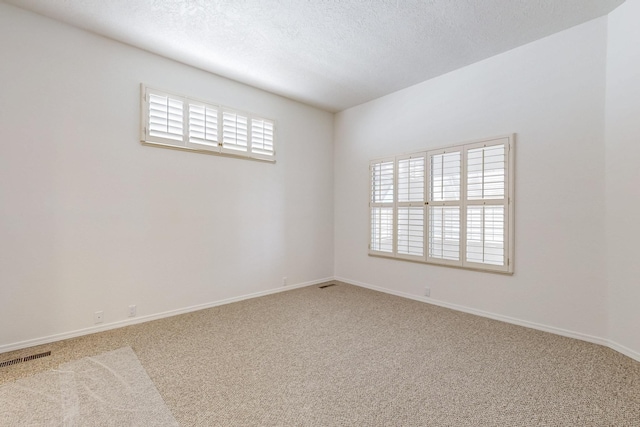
(624, 350)
(533, 325)
(135, 320)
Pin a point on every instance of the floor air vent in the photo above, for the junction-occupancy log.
(24, 359)
(326, 286)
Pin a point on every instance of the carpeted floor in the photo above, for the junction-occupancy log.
(347, 356)
(110, 389)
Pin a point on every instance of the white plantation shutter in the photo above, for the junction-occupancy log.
(203, 125)
(410, 205)
(382, 229)
(165, 117)
(444, 233)
(449, 206)
(189, 124)
(485, 234)
(262, 137)
(445, 176)
(411, 174)
(444, 206)
(411, 231)
(486, 173)
(487, 204)
(234, 131)
(382, 181)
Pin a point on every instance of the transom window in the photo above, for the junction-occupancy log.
(451, 206)
(176, 121)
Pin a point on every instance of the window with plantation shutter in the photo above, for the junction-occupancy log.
(170, 120)
(451, 206)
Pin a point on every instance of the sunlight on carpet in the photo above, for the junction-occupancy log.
(111, 389)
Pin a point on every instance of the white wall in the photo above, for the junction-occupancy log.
(92, 220)
(551, 93)
(623, 175)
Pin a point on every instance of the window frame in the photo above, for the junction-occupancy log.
(185, 142)
(507, 201)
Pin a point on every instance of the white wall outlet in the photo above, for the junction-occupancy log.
(98, 317)
(427, 292)
(132, 311)
(284, 281)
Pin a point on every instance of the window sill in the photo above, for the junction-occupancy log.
(210, 152)
(459, 267)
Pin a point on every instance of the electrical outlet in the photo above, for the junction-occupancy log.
(98, 317)
(284, 281)
(427, 292)
(132, 311)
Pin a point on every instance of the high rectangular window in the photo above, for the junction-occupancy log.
(451, 206)
(176, 121)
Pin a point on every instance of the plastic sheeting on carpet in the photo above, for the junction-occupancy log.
(111, 389)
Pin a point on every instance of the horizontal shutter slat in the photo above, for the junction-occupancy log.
(446, 169)
(485, 235)
(165, 117)
(486, 169)
(262, 137)
(382, 229)
(203, 125)
(382, 175)
(444, 232)
(411, 173)
(411, 231)
(234, 131)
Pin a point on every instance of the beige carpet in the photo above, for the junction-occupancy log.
(345, 356)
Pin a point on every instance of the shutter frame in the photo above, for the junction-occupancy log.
(379, 203)
(205, 136)
(439, 205)
(410, 209)
(152, 97)
(506, 203)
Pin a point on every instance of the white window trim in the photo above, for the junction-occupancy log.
(184, 144)
(508, 201)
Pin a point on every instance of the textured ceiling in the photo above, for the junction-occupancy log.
(332, 54)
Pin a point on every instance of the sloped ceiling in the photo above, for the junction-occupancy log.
(333, 54)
